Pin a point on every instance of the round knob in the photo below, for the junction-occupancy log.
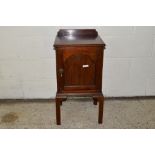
(61, 71)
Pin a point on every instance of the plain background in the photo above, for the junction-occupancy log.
(27, 61)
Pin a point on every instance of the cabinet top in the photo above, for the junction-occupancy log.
(78, 37)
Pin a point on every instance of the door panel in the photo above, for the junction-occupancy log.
(79, 70)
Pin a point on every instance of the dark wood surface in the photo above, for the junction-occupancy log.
(78, 38)
(79, 63)
(81, 69)
(78, 33)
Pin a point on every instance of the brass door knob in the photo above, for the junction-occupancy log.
(61, 71)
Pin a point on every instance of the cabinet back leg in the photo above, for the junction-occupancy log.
(94, 101)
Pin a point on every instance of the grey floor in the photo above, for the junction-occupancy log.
(80, 113)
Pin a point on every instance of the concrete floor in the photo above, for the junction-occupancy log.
(80, 113)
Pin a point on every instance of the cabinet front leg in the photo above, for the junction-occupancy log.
(58, 102)
(58, 112)
(101, 106)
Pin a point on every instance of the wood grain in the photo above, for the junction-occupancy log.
(79, 63)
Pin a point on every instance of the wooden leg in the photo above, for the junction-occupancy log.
(101, 105)
(58, 112)
(95, 101)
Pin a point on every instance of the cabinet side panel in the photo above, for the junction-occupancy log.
(99, 68)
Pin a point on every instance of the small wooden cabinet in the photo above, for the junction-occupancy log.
(79, 62)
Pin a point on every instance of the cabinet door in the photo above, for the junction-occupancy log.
(81, 66)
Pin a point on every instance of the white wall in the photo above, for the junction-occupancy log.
(27, 61)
